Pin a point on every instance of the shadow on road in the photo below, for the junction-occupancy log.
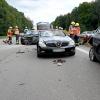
(54, 55)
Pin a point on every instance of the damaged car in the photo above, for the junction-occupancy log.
(30, 38)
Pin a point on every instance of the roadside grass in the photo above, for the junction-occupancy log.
(2, 37)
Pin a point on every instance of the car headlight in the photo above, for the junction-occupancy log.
(42, 44)
(71, 42)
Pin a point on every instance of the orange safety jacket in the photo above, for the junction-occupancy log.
(9, 33)
(77, 31)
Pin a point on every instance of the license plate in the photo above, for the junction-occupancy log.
(58, 50)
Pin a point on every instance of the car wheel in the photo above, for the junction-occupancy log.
(38, 51)
(92, 55)
(22, 42)
(26, 42)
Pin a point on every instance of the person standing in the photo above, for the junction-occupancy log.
(9, 35)
(71, 29)
(77, 33)
(17, 34)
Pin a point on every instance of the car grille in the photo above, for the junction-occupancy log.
(55, 44)
(51, 44)
(29, 39)
(65, 44)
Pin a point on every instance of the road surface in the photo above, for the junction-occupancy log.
(23, 76)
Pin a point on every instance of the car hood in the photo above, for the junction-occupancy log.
(56, 38)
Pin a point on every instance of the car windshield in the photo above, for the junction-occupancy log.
(32, 32)
(51, 33)
(28, 32)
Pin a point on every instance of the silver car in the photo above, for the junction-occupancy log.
(54, 41)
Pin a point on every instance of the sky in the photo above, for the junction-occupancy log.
(45, 10)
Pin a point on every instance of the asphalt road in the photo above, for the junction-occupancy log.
(23, 76)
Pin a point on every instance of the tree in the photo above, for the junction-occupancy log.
(10, 16)
(97, 6)
(87, 14)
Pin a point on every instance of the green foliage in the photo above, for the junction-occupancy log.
(97, 7)
(87, 14)
(10, 16)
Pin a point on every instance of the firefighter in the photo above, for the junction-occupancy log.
(71, 29)
(17, 34)
(77, 33)
(9, 35)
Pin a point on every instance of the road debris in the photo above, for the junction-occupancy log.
(59, 62)
(20, 52)
(59, 80)
(21, 83)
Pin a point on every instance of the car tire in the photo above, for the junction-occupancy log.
(92, 55)
(22, 42)
(38, 51)
(26, 42)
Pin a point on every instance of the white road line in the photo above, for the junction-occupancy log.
(82, 50)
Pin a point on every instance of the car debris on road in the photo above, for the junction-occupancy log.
(59, 62)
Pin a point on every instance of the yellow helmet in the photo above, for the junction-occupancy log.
(77, 24)
(73, 23)
(16, 26)
(10, 27)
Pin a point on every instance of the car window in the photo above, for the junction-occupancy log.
(58, 33)
(28, 32)
(46, 34)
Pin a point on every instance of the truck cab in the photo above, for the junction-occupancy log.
(44, 26)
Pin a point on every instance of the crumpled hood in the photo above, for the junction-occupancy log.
(29, 35)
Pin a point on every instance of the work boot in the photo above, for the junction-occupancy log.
(17, 42)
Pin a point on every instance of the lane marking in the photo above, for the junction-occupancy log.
(82, 50)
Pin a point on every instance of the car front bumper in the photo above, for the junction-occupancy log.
(29, 40)
(67, 49)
